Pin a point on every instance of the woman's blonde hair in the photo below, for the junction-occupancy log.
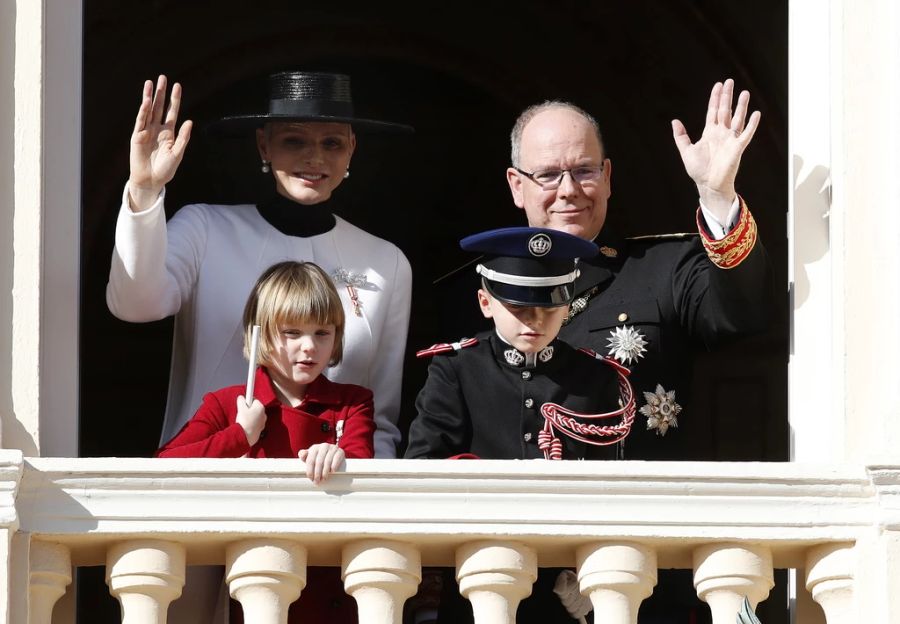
(291, 293)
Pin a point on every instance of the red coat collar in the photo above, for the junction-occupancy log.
(321, 390)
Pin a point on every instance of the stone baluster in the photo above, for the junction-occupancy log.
(265, 576)
(145, 575)
(829, 579)
(49, 575)
(381, 575)
(725, 573)
(617, 577)
(495, 577)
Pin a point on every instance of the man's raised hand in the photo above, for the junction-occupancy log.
(713, 161)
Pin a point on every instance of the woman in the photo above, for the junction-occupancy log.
(201, 265)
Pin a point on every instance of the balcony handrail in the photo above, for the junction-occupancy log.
(440, 504)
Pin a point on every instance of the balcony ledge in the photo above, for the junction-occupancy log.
(439, 504)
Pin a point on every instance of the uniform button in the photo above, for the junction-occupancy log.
(325, 428)
(526, 374)
(529, 402)
(623, 317)
(263, 434)
(527, 437)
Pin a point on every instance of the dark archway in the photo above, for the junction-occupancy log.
(459, 72)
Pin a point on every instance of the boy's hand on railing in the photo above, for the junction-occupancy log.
(252, 419)
(322, 460)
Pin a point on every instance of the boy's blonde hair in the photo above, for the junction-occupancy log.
(291, 293)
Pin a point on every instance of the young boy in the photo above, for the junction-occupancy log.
(517, 392)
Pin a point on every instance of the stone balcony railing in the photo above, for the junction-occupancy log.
(615, 523)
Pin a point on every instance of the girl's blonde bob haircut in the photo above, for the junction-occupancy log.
(288, 294)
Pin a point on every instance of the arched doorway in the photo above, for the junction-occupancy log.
(460, 73)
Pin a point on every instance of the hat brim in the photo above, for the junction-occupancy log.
(240, 124)
(531, 296)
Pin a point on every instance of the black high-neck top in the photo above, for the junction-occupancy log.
(293, 219)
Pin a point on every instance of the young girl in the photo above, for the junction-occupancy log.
(296, 411)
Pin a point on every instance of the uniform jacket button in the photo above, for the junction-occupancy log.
(529, 403)
(526, 375)
(325, 427)
(527, 437)
(623, 317)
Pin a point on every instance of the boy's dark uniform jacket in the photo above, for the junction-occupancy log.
(475, 401)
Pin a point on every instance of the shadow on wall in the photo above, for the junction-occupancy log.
(812, 204)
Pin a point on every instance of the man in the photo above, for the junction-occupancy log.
(649, 302)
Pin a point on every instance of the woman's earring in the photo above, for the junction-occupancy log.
(347, 174)
(265, 167)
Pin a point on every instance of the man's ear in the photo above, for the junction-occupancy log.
(607, 176)
(484, 303)
(514, 179)
(262, 145)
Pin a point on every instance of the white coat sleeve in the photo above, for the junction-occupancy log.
(387, 374)
(154, 266)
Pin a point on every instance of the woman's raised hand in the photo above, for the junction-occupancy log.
(156, 150)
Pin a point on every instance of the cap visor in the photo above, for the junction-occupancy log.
(532, 296)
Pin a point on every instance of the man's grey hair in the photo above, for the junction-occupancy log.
(515, 137)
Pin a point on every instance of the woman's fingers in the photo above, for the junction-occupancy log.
(140, 122)
(174, 106)
(159, 100)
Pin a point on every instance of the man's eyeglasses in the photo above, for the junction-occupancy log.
(550, 179)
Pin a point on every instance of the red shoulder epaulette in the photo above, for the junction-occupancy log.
(736, 246)
(607, 360)
(446, 347)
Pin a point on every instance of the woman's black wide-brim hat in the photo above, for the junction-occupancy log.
(306, 96)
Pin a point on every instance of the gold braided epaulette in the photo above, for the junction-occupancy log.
(736, 246)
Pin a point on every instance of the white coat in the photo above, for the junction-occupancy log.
(201, 268)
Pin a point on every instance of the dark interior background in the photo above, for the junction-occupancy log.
(460, 72)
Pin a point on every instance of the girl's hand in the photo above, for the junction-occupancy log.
(321, 460)
(156, 150)
(252, 419)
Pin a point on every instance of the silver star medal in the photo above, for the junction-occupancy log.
(626, 344)
(661, 410)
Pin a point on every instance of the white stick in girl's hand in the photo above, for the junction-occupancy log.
(251, 371)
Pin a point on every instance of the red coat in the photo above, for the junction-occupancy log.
(213, 432)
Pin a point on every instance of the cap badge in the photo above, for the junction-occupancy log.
(626, 344)
(539, 245)
(609, 252)
(661, 410)
(513, 357)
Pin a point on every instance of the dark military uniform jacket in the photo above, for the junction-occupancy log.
(482, 401)
(669, 291)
